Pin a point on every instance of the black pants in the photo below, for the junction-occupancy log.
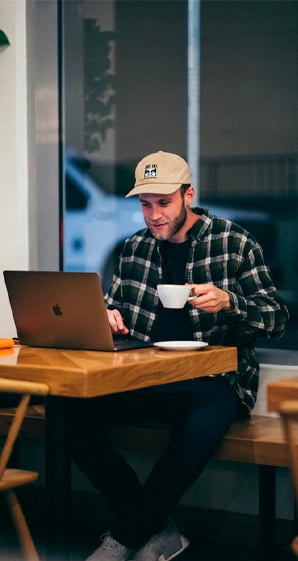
(198, 412)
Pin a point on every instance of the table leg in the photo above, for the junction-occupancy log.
(267, 506)
(57, 479)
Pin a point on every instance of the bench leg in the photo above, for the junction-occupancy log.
(267, 502)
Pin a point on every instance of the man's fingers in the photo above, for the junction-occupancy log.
(116, 322)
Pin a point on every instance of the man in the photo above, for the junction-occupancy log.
(235, 301)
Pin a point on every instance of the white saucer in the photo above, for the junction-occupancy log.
(180, 345)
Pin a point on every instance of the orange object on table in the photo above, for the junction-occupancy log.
(6, 343)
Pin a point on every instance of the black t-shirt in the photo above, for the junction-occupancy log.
(173, 324)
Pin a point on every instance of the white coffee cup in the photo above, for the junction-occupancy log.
(173, 295)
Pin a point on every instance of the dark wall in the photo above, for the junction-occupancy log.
(249, 78)
(151, 39)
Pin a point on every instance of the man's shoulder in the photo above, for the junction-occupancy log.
(217, 229)
(210, 222)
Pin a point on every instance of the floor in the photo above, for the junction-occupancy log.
(213, 537)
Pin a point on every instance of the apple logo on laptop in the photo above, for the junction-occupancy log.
(57, 310)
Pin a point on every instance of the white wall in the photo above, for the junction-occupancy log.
(14, 246)
(29, 190)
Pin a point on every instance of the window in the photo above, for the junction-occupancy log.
(249, 160)
(125, 94)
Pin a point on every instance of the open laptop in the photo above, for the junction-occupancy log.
(62, 309)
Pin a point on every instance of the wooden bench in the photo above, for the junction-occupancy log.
(258, 440)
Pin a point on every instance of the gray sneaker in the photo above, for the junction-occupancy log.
(110, 550)
(163, 546)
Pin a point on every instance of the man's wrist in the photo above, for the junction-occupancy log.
(228, 306)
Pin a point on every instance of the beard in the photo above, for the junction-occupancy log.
(172, 227)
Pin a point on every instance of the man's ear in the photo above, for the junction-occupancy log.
(189, 195)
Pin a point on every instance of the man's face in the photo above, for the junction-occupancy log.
(164, 215)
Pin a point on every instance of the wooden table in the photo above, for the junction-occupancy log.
(86, 374)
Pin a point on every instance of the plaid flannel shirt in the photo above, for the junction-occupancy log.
(226, 255)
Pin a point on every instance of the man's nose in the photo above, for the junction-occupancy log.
(155, 212)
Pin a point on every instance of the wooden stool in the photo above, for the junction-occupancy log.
(288, 411)
(11, 478)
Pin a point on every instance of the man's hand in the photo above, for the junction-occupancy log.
(209, 298)
(116, 322)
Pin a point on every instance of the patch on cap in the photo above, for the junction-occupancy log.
(150, 171)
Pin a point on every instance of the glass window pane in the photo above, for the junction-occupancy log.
(249, 162)
(125, 95)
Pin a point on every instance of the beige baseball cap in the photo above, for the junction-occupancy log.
(160, 173)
